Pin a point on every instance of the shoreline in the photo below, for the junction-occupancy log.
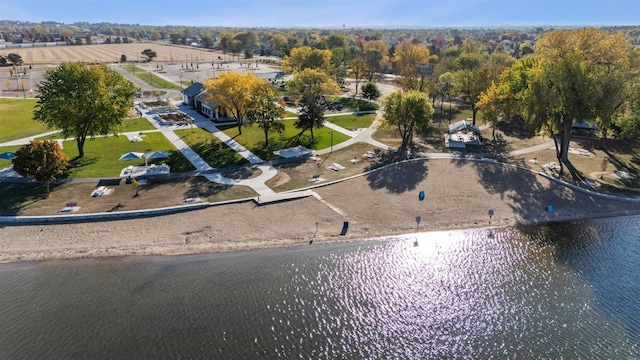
(376, 205)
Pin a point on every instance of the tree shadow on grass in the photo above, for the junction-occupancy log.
(177, 162)
(14, 196)
(78, 163)
(217, 154)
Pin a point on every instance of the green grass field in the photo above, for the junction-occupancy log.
(138, 124)
(151, 78)
(352, 121)
(210, 149)
(128, 125)
(16, 119)
(355, 104)
(102, 155)
(252, 138)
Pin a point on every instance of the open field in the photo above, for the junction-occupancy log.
(16, 119)
(111, 53)
(252, 138)
(102, 155)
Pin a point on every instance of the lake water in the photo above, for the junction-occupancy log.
(568, 290)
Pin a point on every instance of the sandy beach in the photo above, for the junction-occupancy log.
(459, 195)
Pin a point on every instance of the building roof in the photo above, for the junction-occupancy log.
(201, 97)
(462, 125)
(194, 89)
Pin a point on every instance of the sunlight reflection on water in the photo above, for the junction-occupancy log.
(563, 290)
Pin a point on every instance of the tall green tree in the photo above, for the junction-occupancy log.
(305, 57)
(149, 54)
(42, 160)
(83, 100)
(248, 42)
(311, 86)
(14, 58)
(407, 112)
(231, 92)
(370, 91)
(470, 84)
(411, 61)
(576, 75)
(264, 111)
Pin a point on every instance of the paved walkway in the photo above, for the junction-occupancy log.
(258, 184)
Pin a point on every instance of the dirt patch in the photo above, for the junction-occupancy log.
(176, 117)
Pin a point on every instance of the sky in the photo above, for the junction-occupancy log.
(329, 13)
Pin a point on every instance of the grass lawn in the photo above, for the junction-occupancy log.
(150, 78)
(252, 138)
(352, 121)
(355, 104)
(102, 155)
(288, 114)
(210, 149)
(128, 125)
(16, 119)
(139, 124)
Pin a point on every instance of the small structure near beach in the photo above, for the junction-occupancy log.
(462, 134)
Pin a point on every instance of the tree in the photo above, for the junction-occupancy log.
(311, 86)
(248, 42)
(83, 100)
(358, 66)
(264, 111)
(470, 83)
(278, 42)
(149, 54)
(373, 64)
(572, 76)
(407, 111)
(445, 85)
(490, 104)
(207, 41)
(411, 62)
(231, 92)
(42, 160)
(15, 59)
(305, 57)
(370, 91)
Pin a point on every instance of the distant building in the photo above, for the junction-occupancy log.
(194, 96)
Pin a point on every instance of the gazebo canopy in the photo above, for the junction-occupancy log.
(463, 125)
